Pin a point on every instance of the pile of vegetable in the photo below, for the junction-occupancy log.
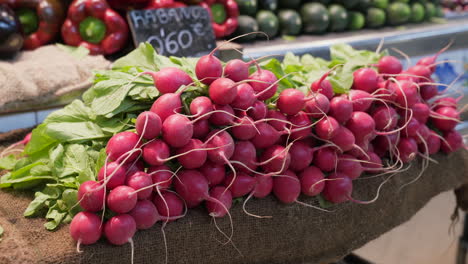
(295, 17)
(156, 136)
(455, 5)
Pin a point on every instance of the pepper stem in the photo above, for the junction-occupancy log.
(92, 30)
(28, 19)
(219, 13)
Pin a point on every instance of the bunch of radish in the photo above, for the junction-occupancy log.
(236, 142)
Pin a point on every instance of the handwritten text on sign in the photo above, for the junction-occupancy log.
(183, 32)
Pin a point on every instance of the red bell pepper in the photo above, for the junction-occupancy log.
(94, 25)
(40, 20)
(127, 4)
(228, 23)
(155, 4)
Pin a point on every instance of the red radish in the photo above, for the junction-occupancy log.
(432, 145)
(91, 196)
(200, 106)
(208, 68)
(325, 159)
(195, 155)
(213, 172)
(385, 118)
(177, 130)
(169, 206)
(290, 101)
(167, 105)
(421, 112)
(266, 137)
(302, 155)
(445, 118)
(245, 153)
(263, 186)
(169, 79)
(389, 65)
(156, 152)
(263, 81)
(223, 91)
(192, 187)
(222, 118)
(327, 128)
(387, 91)
(121, 145)
(317, 106)
(338, 188)
(26, 139)
(360, 149)
(301, 125)
(140, 180)
(245, 97)
(221, 146)
(122, 199)
(222, 195)
(422, 71)
(407, 149)
(411, 129)
(428, 91)
(134, 167)
(430, 61)
(145, 214)
(120, 229)
(453, 141)
(112, 173)
(365, 79)
(362, 125)
(312, 181)
(162, 175)
(278, 125)
(341, 109)
(258, 110)
(349, 165)
(406, 94)
(236, 70)
(244, 129)
(361, 100)
(201, 128)
(287, 187)
(422, 134)
(404, 76)
(373, 163)
(344, 139)
(275, 159)
(241, 185)
(85, 228)
(323, 86)
(148, 125)
(445, 102)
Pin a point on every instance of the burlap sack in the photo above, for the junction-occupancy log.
(44, 77)
(294, 234)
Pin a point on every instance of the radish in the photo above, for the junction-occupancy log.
(192, 187)
(302, 155)
(245, 129)
(169, 205)
(156, 152)
(162, 175)
(214, 173)
(121, 145)
(135, 167)
(177, 130)
(138, 181)
(221, 146)
(223, 91)
(317, 106)
(244, 153)
(145, 214)
(224, 117)
(122, 199)
(148, 125)
(323, 86)
(387, 91)
(91, 196)
(408, 149)
(428, 91)
(201, 128)
(169, 79)
(200, 106)
(263, 81)
(224, 197)
(287, 187)
(421, 112)
(446, 101)
(389, 65)
(85, 228)
(208, 68)
(275, 159)
(277, 120)
(113, 174)
(338, 188)
(445, 118)
(411, 129)
(349, 165)
(430, 61)
(245, 97)
(373, 163)
(267, 136)
(422, 71)
(258, 110)
(432, 145)
(361, 100)
(236, 70)
(239, 186)
(301, 125)
(452, 142)
(263, 186)
(325, 159)
(406, 94)
(344, 139)
(365, 79)
(312, 181)
(120, 229)
(193, 155)
(327, 128)
(167, 105)
(385, 118)
(422, 134)
(362, 125)
(340, 109)
(290, 101)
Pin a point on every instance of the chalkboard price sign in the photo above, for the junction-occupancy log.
(182, 32)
